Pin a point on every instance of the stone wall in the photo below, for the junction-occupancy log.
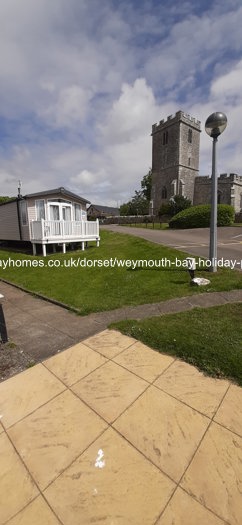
(229, 190)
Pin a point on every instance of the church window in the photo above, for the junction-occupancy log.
(165, 137)
(182, 188)
(190, 136)
(174, 187)
(164, 193)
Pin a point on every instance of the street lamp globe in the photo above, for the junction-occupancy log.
(215, 124)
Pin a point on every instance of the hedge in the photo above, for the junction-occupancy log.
(199, 217)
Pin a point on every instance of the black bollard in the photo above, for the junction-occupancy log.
(3, 329)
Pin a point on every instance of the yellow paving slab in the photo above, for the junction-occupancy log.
(165, 430)
(111, 483)
(55, 438)
(184, 510)
(143, 361)
(22, 394)
(186, 383)
(37, 512)
(54, 435)
(109, 343)
(73, 364)
(17, 488)
(110, 390)
(230, 412)
(214, 477)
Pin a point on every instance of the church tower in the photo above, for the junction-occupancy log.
(175, 158)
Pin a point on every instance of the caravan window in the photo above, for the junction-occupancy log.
(23, 212)
(40, 209)
(78, 215)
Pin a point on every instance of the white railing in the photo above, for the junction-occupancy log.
(43, 230)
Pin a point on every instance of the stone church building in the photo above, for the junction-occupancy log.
(175, 166)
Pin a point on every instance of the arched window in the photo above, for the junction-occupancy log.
(182, 187)
(164, 193)
(190, 136)
(174, 188)
(219, 196)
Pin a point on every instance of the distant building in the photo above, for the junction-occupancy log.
(102, 212)
(175, 166)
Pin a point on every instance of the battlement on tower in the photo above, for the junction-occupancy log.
(203, 178)
(224, 177)
(230, 177)
(179, 116)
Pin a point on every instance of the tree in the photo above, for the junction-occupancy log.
(146, 185)
(5, 199)
(124, 209)
(139, 204)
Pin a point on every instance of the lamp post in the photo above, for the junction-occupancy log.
(214, 126)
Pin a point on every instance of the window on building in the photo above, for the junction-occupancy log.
(165, 137)
(23, 212)
(40, 209)
(174, 188)
(182, 188)
(190, 136)
(78, 214)
(164, 193)
(189, 161)
(219, 196)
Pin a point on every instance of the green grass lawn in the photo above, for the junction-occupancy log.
(210, 338)
(93, 289)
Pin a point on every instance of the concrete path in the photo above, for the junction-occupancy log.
(112, 432)
(41, 329)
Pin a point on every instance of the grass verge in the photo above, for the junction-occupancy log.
(209, 338)
(102, 287)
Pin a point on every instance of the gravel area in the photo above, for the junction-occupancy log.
(13, 360)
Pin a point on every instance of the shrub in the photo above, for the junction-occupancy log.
(178, 203)
(174, 206)
(199, 217)
(164, 210)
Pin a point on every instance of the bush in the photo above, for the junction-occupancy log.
(199, 217)
(178, 203)
(174, 206)
(164, 210)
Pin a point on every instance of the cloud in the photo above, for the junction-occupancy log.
(228, 86)
(131, 114)
(81, 84)
(70, 108)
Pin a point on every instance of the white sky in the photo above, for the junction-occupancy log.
(82, 82)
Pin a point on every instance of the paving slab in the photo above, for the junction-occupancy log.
(110, 431)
